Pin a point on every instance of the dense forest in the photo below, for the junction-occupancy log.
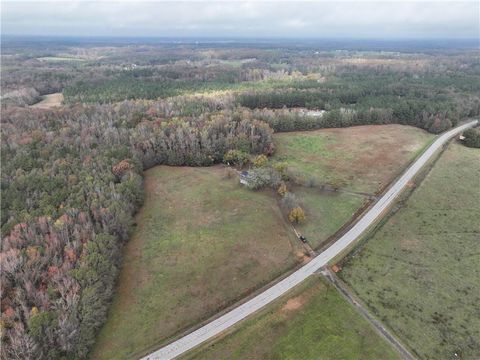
(71, 182)
(72, 175)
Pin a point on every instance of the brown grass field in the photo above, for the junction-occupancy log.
(49, 101)
(365, 158)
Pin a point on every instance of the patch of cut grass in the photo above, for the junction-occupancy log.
(312, 322)
(202, 242)
(420, 271)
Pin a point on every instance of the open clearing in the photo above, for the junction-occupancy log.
(419, 273)
(202, 242)
(365, 158)
(313, 322)
(59, 58)
(49, 101)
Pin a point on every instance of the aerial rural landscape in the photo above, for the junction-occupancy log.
(221, 189)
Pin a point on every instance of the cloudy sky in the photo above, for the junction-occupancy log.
(260, 19)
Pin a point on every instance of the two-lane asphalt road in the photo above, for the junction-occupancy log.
(232, 317)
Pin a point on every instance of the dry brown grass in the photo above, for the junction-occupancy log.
(49, 101)
(365, 158)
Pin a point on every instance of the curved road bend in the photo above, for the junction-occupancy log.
(227, 320)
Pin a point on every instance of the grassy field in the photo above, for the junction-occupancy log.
(365, 158)
(202, 241)
(313, 322)
(326, 212)
(420, 271)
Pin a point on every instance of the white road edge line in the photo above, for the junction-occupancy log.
(232, 317)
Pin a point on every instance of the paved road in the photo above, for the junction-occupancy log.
(227, 320)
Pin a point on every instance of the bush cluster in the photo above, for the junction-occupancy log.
(472, 137)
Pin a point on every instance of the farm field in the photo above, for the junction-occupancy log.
(202, 242)
(364, 158)
(313, 322)
(419, 273)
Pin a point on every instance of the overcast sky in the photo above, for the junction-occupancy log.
(322, 19)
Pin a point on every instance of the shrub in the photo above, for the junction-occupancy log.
(282, 169)
(236, 157)
(282, 189)
(296, 215)
(263, 177)
(472, 138)
(260, 161)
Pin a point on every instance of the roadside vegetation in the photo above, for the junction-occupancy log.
(472, 137)
(311, 322)
(419, 272)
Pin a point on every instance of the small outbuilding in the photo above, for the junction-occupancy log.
(245, 177)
